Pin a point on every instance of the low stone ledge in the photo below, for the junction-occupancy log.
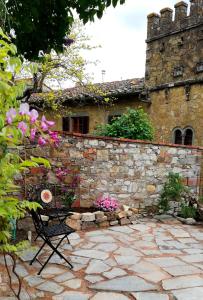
(91, 220)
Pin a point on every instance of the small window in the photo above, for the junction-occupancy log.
(183, 136)
(112, 118)
(162, 47)
(178, 71)
(188, 136)
(80, 124)
(178, 136)
(199, 67)
(181, 42)
(200, 35)
(66, 124)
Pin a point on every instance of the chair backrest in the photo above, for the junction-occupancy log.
(37, 221)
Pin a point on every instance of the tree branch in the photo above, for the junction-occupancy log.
(17, 294)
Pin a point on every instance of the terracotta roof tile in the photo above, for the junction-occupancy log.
(114, 88)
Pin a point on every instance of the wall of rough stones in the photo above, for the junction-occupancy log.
(132, 171)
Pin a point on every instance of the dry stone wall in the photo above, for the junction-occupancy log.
(132, 171)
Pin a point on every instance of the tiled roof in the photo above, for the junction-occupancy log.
(114, 88)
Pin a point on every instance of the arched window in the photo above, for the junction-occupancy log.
(177, 136)
(183, 136)
(188, 136)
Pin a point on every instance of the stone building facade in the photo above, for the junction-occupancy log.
(174, 72)
(172, 91)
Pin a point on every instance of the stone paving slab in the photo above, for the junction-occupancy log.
(115, 272)
(64, 276)
(96, 266)
(193, 258)
(166, 262)
(33, 280)
(107, 247)
(102, 239)
(126, 260)
(112, 296)
(182, 270)
(124, 284)
(70, 295)
(92, 254)
(189, 294)
(150, 296)
(182, 282)
(147, 260)
(93, 278)
(73, 284)
(51, 287)
(154, 276)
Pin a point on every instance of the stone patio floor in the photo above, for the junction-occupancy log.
(144, 261)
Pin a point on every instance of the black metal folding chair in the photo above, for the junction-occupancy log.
(46, 233)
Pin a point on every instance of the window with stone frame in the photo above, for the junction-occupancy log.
(177, 136)
(183, 136)
(80, 124)
(178, 71)
(188, 136)
(199, 67)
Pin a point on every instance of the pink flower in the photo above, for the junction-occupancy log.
(10, 115)
(24, 109)
(33, 115)
(32, 133)
(41, 141)
(106, 203)
(23, 127)
(54, 137)
(45, 124)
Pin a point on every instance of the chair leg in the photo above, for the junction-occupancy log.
(54, 251)
(45, 263)
(37, 253)
(36, 238)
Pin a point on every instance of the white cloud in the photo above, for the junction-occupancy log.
(122, 32)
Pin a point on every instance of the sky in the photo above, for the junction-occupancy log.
(121, 33)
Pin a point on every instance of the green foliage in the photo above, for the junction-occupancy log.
(188, 211)
(56, 68)
(68, 198)
(172, 190)
(43, 24)
(134, 124)
(201, 199)
(11, 164)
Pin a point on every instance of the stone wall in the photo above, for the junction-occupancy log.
(132, 171)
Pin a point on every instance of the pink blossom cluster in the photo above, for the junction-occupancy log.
(61, 173)
(106, 203)
(28, 123)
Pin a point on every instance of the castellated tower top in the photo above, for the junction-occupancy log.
(163, 23)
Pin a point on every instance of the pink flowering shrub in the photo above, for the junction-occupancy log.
(106, 203)
(28, 123)
(61, 173)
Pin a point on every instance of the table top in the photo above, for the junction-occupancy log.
(56, 212)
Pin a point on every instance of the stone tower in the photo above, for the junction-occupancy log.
(175, 45)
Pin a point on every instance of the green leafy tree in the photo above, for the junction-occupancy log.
(43, 24)
(56, 68)
(134, 124)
